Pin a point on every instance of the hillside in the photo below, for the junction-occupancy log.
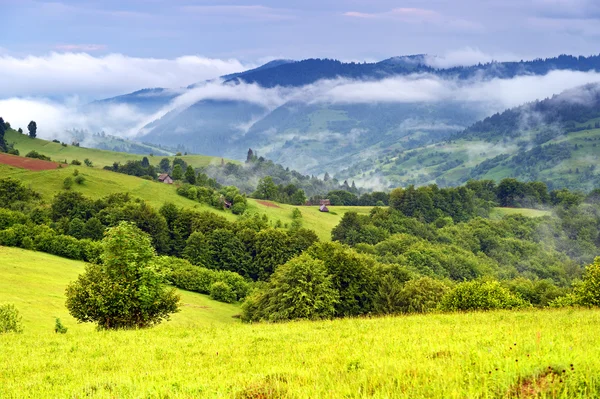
(554, 140)
(100, 158)
(503, 353)
(35, 283)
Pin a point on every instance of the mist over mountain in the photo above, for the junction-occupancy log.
(323, 115)
(555, 140)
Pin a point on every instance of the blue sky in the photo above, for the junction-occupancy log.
(260, 29)
(96, 49)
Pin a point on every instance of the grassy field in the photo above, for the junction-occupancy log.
(499, 213)
(100, 158)
(204, 352)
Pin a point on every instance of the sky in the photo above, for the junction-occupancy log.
(102, 48)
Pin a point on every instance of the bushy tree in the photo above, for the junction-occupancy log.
(480, 295)
(190, 175)
(125, 291)
(177, 172)
(32, 127)
(266, 189)
(299, 289)
(197, 250)
(10, 319)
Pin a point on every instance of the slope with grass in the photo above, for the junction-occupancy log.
(35, 282)
(204, 352)
(99, 183)
(100, 158)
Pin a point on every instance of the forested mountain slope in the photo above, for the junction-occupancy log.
(554, 140)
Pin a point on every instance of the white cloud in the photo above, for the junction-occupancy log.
(64, 74)
(419, 16)
(465, 57)
(491, 95)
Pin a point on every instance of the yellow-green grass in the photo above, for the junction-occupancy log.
(100, 158)
(35, 283)
(499, 213)
(205, 353)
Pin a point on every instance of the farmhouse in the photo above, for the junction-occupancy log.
(165, 178)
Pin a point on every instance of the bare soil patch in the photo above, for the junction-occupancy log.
(27, 163)
(268, 204)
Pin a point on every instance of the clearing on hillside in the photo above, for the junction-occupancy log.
(268, 204)
(27, 163)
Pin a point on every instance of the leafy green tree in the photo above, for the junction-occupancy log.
(588, 293)
(272, 248)
(32, 128)
(177, 172)
(125, 291)
(221, 291)
(190, 175)
(299, 289)
(68, 183)
(10, 319)
(352, 274)
(3, 146)
(197, 250)
(227, 252)
(266, 189)
(93, 229)
(422, 295)
(164, 165)
(480, 295)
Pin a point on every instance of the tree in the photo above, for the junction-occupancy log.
(32, 127)
(190, 175)
(250, 157)
(197, 250)
(2, 131)
(266, 189)
(177, 172)
(299, 289)
(125, 291)
(164, 165)
(145, 162)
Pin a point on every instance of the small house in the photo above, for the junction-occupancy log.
(165, 178)
(323, 208)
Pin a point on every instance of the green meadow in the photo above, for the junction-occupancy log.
(100, 158)
(204, 352)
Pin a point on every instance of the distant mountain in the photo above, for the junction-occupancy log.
(314, 135)
(556, 140)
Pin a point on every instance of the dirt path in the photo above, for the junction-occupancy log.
(27, 163)
(268, 204)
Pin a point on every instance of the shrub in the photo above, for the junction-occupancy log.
(421, 295)
(80, 180)
(59, 328)
(221, 291)
(10, 319)
(588, 292)
(480, 295)
(75, 162)
(76, 172)
(68, 183)
(299, 289)
(37, 155)
(126, 278)
(238, 208)
(88, 163)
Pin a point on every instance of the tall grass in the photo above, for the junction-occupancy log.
(203, 352)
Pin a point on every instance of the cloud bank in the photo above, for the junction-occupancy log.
(63, 74)
(489, 96)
